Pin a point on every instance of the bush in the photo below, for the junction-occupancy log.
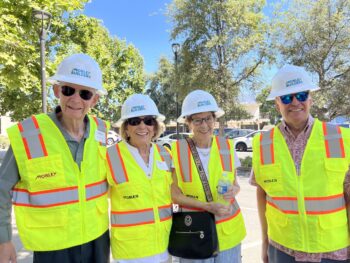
(4, 142)
(246, 162)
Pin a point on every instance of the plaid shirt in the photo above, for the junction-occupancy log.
(296, 146)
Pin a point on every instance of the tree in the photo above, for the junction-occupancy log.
(316, 35)
(20, 92)
(267, 108)
(121, 64)
(223, 45)
(161, 89)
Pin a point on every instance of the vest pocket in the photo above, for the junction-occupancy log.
(270, 178)
(44, 173)
(336, 169)
(131, 196)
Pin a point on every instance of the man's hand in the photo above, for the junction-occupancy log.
(7, 253)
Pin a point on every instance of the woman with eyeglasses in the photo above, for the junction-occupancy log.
(56, 174)
(140, 181)
(301, 170)
(218, 158)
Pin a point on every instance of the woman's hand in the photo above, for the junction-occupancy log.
(218, 209)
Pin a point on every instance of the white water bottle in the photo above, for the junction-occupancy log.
(223, 185)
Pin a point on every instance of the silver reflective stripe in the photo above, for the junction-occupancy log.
(96, 190)
(289, 206)
(101, 126)
(116, 164)
(334, 144)
(235, 211)
(124, 219)
(165, 155)
(325, 206)
(183, 156)
(225, 154)
(164, 212)
(45, 198)
(266, 142)
(31, 135)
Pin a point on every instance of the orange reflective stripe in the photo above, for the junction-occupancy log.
(96, 190)
(32, 138)
(235, 212)
(47, 198)
(165, 212)
(184, 159)
(267, 155)
(132, 218)
(116, 164)
(333, 141)
(225, 154)
(164, 155)
(313, 205)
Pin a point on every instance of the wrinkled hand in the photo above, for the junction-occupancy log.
(231, 192)
(219, 209)
(7, 253)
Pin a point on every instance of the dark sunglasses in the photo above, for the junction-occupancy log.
(84, 94)
(148, 120)
(300, 96)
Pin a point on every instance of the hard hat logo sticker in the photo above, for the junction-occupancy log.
(138, 108)
(203, 103)
(293, 82)
(81, 72)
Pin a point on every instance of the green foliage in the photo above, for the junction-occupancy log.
(223, 45)
(267, 108)
(316, 35)
(163, 91)
(121, 64)
(246, 162)
(19, 52)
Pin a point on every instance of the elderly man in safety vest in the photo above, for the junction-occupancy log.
(55, 168)
(300, 169)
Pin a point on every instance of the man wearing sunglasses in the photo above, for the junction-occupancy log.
(55, 173)
(300, 168)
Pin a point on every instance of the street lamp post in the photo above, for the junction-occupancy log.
(41, 16)
(176, 47)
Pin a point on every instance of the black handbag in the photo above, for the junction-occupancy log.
(193, 234)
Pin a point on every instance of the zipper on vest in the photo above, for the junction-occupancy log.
(200, 233)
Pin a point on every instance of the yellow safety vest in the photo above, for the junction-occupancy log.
(230, 229)
(141, 207)
(305, 212)
(57, 205)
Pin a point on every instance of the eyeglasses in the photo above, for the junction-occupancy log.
(148, 120)
(198, 121)
(84, 94)
(300, 96)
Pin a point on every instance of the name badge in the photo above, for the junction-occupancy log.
(162, 165)
(100, 136)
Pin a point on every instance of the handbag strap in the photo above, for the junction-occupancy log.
(200, 170)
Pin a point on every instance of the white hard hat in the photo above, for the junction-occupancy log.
(289, 80)
(139, 105)
(199, 101)
(82, 70)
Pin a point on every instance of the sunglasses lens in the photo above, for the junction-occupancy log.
(302, 96)
(149, 121)
(134, 121)
(85, 94)
(286, 99)
(67, 91)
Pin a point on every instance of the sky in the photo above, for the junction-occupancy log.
(140, 23)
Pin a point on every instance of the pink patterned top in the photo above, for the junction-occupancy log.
(296, 147)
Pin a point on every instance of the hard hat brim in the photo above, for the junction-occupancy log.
(182, 118)
(291, 90)
(60, 78)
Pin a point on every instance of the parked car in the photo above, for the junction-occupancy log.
(167, 140)
(113, 137)
(243, 144)
(238, 133)
(226, 130)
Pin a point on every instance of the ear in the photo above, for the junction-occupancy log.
(56, 90)
(277, 106)
(95, 100)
